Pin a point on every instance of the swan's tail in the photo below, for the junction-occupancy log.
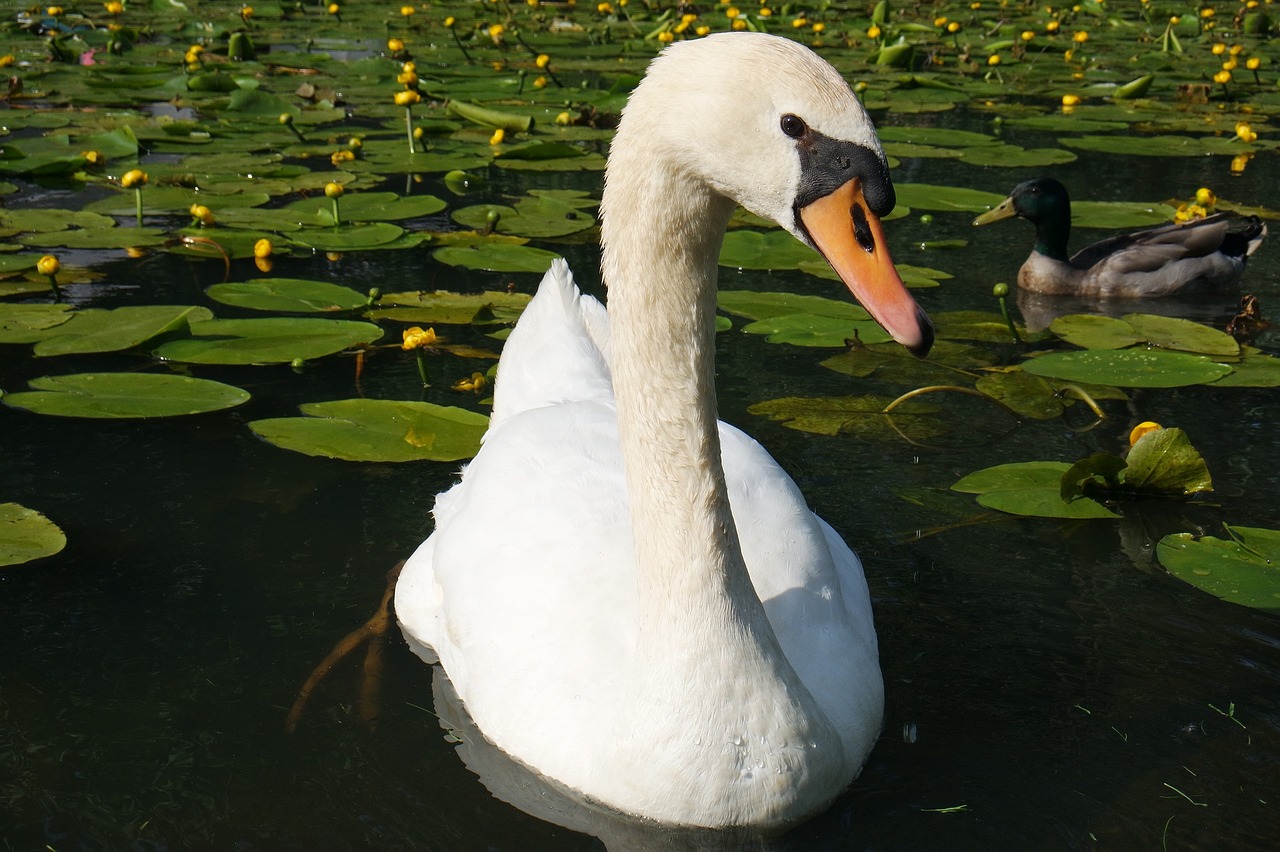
(557, 351)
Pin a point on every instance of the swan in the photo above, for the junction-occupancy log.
(631, 597)
(1200, 256)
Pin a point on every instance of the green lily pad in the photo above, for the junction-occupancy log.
(1119, 214)
(364, 207)
(774, 249)
(542, 215)
(29, 323)
(266, 341)
(1128, 368)
(1014, 156)
(763, 306)
(124, 396)
(1035, 397)
(924, 196)
(496, 257)
(817, 330)
(98, 330)
(377, 430)
(1255, 369)
(27, 535)
(1031, 489)
(857, 415)
(444, 308)
(1156, 146)
(349, 237)
(290, 295)
(1243, 569)
(1164, 462)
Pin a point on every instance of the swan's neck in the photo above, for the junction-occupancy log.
(662, 237)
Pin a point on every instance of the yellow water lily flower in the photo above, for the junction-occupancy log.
(332, 189)
(263, 248)
(417, 338)
(202, 214)
(873, 32)
(477, 382)
(134, 178)
(497, 137)
(408, 98)
(48, 265)
(1070, 100)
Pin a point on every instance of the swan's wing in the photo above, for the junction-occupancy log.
(526, 590)
(813, 589)
(556, 352)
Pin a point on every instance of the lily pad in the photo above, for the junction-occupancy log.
(1243, 569)
(377, 430)
(1130, 368)
(1255, 369)
(496, 257)
(451, 308)
(1164, 462)
(1031, 489)
(774, 249)
(290, 295)
(98, 330)
(857, 415)
(29, 323)
(266, 341)
(924, 196)
(27, 535)
(124, 396)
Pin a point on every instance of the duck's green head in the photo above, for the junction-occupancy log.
(1043, 202)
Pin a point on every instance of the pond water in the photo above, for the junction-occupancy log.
(1049, 685)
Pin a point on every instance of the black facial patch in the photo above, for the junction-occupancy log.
(826, 164)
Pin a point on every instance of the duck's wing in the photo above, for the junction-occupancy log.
(1150, 249)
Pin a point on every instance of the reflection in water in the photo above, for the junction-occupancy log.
(1039, 310)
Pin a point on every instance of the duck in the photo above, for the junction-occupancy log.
(631, 597)
(1201, 256)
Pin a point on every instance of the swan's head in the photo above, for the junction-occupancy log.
(764, 121)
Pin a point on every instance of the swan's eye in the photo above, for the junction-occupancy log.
(794, 126)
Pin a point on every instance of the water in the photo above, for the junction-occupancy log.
(1061, 688)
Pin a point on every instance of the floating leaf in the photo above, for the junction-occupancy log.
(124, 395)
(1032, 489)
(1128, 368)
(350, 237)
(451, 308)
(1163, 461)
(1013, 156)
(774, 249)
(1244, 569)
(294, 295)
(377, 430)
(29, 323)
(817, 330)
(98, 330)
(496, 257)
(1255, 370)
(761, 306)
(364, 207)
(924, 196)
(859, 415)
(27, 535)
(266, 341)
(539, 216)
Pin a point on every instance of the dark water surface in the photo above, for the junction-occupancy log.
(1058, 685)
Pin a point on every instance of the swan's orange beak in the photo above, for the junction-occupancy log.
(851, 239)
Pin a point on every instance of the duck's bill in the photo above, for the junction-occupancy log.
(851, 238)
(1003, 210)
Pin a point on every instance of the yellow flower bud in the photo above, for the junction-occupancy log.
(564, 119)
(953, 27)
(407, 98)
(1218, 48)
(873, 32)
(407, 10)
(263, 248)
(395, 45)
(993, 59)
(416, 338)
(1052, 27)
(1080, 37)
(497, 137)
(48, 265)
(1205, 197)
(133, 178)
(1070, 100)
(449, 22)
(1141, 429)
(333, 190)
(542, 61)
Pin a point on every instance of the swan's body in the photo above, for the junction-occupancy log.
(594, 586)
(1200, 256)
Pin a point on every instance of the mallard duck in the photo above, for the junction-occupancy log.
(631, 597)
(1202, 255)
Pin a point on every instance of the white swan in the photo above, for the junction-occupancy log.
(595, 582)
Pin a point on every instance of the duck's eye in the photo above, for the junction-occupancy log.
(794, 126)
